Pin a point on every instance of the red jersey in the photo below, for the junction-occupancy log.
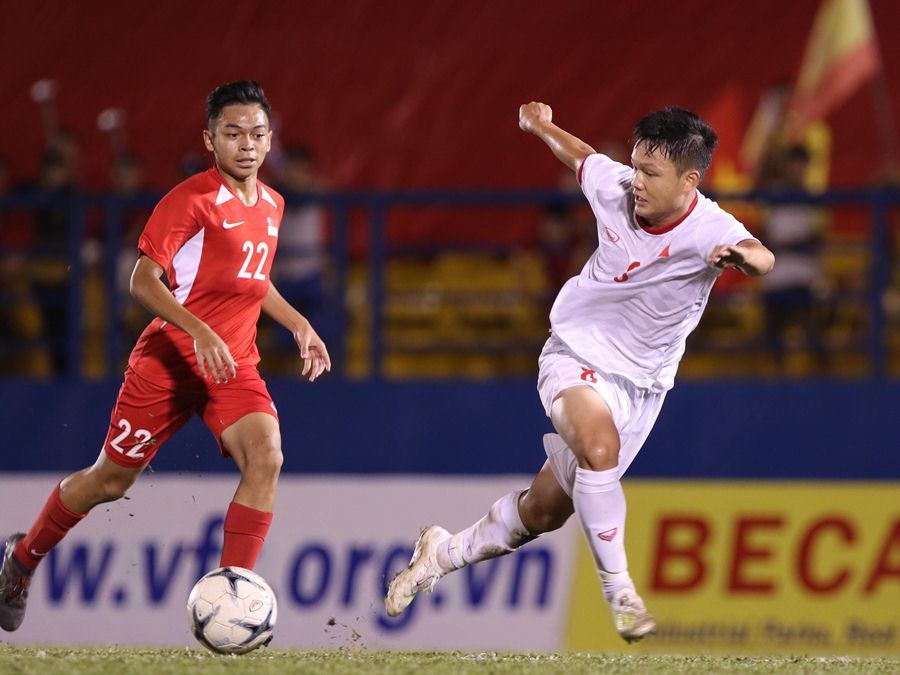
(217, 253)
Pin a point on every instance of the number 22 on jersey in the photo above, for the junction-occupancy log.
(262, 250)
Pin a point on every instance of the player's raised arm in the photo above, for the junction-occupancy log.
(749, 256)
(312, 349)
(213, 355)
(537, 118)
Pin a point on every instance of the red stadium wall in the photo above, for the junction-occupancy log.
(411, 94)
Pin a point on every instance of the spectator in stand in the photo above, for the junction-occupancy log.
(791, 292)
(11, 296)
(57, 182)
(127, 182)
(301, 270)
(556, 241)
(21, 328)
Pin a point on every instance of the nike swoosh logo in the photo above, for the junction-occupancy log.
(37, 554)
(228, 225)
(609, 535)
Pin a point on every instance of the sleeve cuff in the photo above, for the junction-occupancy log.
(142, 250)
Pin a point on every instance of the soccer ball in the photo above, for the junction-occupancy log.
(232, 610)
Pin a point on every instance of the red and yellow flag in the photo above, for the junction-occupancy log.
(841, 55)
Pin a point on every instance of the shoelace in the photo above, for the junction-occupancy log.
(427, 580)
(432, 580)
(629, 601)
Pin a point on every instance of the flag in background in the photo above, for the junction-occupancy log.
(727, 113)
(766, 127)
(766, 134)
(841, 55)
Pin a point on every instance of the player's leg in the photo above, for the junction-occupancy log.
(104, 481)
(513, 520)
(70, 501)
(585, 423)
(254, 442)
(67, 505)
(242, 416)
(144, 417)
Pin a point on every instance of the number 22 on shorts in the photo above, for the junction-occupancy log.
(142, 436)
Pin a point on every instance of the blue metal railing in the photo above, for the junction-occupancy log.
(378, 206)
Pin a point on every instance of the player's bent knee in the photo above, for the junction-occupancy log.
(263, 461)
(599, 458)
(273, 461)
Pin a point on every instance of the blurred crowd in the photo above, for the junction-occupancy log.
(471, 312)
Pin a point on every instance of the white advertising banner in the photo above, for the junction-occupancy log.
(123, 575)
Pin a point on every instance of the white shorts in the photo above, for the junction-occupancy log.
(634, 410)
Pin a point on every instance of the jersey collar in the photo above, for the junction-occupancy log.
(226, 193)
(671, 226)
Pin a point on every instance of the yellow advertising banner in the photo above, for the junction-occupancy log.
(754, 567)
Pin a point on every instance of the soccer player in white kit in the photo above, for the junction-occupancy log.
(618, 332)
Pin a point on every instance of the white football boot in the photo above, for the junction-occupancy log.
(422, 573)
(630, 615)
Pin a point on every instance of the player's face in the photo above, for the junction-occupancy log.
(239, 139)
(661, 192)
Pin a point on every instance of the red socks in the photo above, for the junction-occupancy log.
(50, 527)
(245, 532)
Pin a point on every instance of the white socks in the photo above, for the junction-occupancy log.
(600, 507)
(500, 532)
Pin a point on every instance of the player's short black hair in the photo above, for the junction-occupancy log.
(239, 92)
(682, 137)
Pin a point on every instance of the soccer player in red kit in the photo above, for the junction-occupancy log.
(214, 237)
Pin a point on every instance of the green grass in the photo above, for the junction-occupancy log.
(118, 661)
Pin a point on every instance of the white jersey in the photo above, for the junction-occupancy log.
(642, 292)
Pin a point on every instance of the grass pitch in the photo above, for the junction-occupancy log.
(115, 661)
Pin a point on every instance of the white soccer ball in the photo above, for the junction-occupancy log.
(232, 610)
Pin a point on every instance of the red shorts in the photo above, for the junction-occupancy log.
(146, 415)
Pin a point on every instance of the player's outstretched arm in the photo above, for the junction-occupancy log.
(537, 118)
(312, 350)
(749, 256)
(213, 355)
